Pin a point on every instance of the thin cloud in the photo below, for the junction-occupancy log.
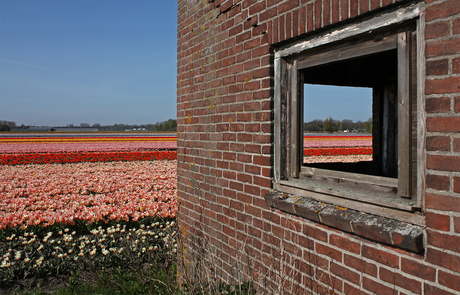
(42, 68)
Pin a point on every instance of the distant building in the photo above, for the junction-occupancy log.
(40, 128)
(76, 129)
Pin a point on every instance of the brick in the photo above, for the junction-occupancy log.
(278, 231)
(438, 221)
(264, 182)
(446, 85)
(305, 242)
(456, 145)
(432, 290)
(289, 5)
(457, 185)
(443, 163)
(443, 241)
(244, 178)
(235, 50)
(363, 6)
(443, 9)
(251, 22)
(295, 23)
(344, 9)
(440, 202)
(244, 137)
(318, 14)
(349, 289)
(354, 8)
(418, 269)
(253, 148)
(456, 63)
(443, 124)
(437, 182)
(262, 160)
(288, 24)
(257, 8)
(397, 279)
(377, 288)
(260, 73)
(437, 29)
(449, 280)
(442, 47)
(326, 12)
(438, 105)
(456, 26)
(254, 43)
(443, 259)
(345, 273)
(282, 27)
(267, 14)
(235, 88)
(315, 233)
(235, 30)
(360, 265)
(243, 37)
(310, 24)
(438, 143)
(457, 224)
(331, 252)
(335, 10)
(250, 189)
(380, 256)
(251, 86)
(291, 224)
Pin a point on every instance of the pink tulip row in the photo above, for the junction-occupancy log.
(55, 193)
(337, 143)
(85, 146)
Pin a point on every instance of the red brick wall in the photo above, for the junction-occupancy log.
(225, 116)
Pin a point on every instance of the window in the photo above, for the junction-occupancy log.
(384, 53)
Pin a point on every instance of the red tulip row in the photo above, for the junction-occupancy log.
(311, 152)
(76, 157)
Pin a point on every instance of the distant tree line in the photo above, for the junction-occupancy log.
(330, 125)
(169, 125)
(7, 125)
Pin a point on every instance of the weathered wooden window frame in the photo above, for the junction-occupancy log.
(288, 110)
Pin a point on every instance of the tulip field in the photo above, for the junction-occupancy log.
(54, 190)
(69, 201)
(337, 148)
(57, 179)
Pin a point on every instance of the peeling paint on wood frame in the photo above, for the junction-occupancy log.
(382, 21)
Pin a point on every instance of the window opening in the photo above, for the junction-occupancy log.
(384, 53)
(378, 71)
(337, 124)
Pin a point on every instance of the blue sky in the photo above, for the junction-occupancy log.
(353, 103)
(87, 61)
(107, 61)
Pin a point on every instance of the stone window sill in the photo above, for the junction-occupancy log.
(377, 228)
